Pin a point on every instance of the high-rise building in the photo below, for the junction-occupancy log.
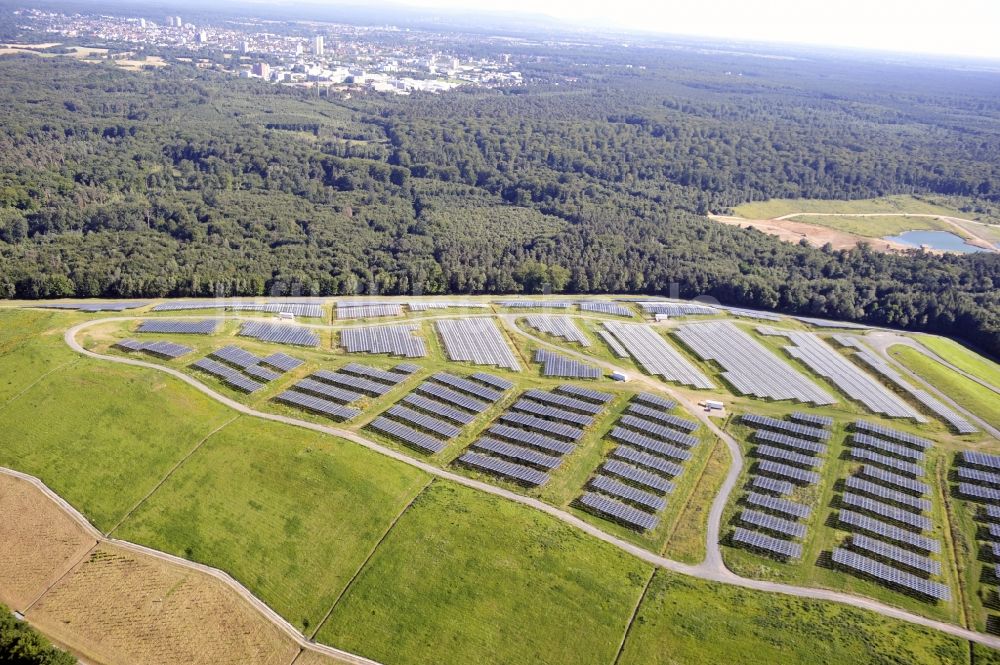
(178, 22)
(318, 45)
(202, 37)
(298, 48)
(244, 47)
(262, 69)
(170, 21)
(142, 23)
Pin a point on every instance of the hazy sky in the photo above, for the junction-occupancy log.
(959, 27)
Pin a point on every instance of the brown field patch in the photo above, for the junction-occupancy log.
(39, 542)
(118, 606)
(309, 657)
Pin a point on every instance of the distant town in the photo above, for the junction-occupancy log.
(327, 56)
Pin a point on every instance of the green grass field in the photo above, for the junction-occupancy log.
(103, 435)
(733, 625)
(887, 204)
(30, 345)
(469, 578)
(980, 400)
(963, 358)
(271, 503)
(878, 227)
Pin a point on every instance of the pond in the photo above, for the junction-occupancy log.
(942, 240)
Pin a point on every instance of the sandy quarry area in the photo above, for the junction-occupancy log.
(817, 236)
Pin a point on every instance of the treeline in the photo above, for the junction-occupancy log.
(21, 645)
(181, 183)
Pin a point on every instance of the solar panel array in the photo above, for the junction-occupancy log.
(658, 431)
(316, 405)
(896, 480)
(559, 326)
(892, 576)
(777, 505)
(789, 472)
(960, 424)
(405, 368)
(859, 484)
(443, 394)
(535, 304)
(825, 323)
(639, 467)
(898, 554)
(474, 388)
(493, 381)
(558, 365)
(161, 348)
(782, 455)
(979, 477)
(865, 455)
(654, 401)
(529, 438)
(229, 376)
(811, 419)
(888, 508)
(984, 460)
(893, 434)
(423, 421)
(628, 493)
(96, 306)
(676, 309)
(551, 413)
(258, 368)
(771, 523)
(611, 308)
(779, 487)
(759, 541)
(438, 409)
(206, 327)
(390, 378)
(749, 367)
(536, 424)
(888, 531)
(477, 340)
(848, 377)
(586, 394)
(327, 391)
(279, 333)
(750, 313)
(661, 417)
(352, 382)
(794, 442)
(517, 453)
(648, 444)
(657, 356)
(564, 401)
(880, 509)
(437, 304)
(368, 311)
(805, 431)
(393, 340)
(298, 309)
(406, 435)
(615, 346)
(619, 511)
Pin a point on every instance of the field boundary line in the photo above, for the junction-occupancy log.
(631, 619)
(170, 473)
(36, 382)
(69, 569)
(712, 569)
(364, 564)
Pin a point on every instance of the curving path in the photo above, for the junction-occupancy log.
(712, 568)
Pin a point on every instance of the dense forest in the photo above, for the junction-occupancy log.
(594, 178)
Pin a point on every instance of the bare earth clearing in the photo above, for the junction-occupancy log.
(789, 229)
